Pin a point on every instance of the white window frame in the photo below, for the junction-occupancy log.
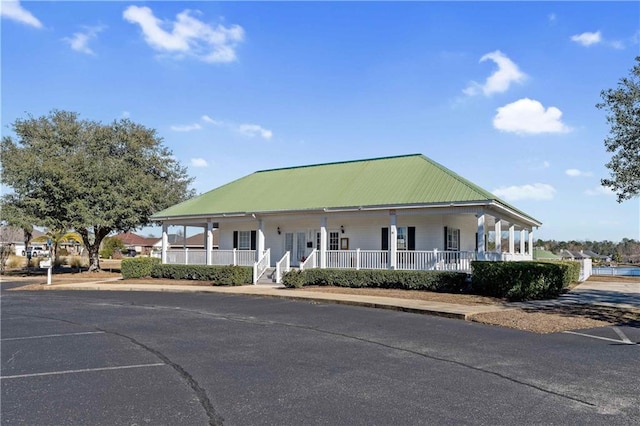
(244, 240)
(402, 243)
(453, 236)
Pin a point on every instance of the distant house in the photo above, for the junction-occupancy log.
(573, 255)
(405, 212)
(13, 237)
(142, 245)
(597, 257)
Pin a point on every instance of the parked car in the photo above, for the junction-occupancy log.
(37, 251)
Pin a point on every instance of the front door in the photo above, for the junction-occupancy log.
(296, 245)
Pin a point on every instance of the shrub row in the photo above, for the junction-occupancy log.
(138, 267)
(218, 275)
(408, 280)
(518, 281)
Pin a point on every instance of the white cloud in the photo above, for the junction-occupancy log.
(199, 162)
(188, 36)
(186, 128)
(252, 130)
(210, 120)
(587, 39)
(80, 40)
(125, 114)
(498, 82)
(577, 173)
(536, 191)
(552, 17)
(11, 9)
(599, 190)
(528, 116)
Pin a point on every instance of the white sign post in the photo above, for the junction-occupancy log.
(47, 264)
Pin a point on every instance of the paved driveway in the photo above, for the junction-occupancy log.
(622, 294)
(159, 358)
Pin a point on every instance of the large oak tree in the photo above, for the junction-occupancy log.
(623, 106)
(94, 178)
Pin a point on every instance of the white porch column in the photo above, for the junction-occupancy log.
(522, 236)
(531, 242)
(209, 242)
(481, 236)
(512, 238)
(184, 245)
(260, 240)
(498, 232)
(323, 242)
(393, 239)
(165, 243)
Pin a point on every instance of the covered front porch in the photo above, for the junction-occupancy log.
(384, 239)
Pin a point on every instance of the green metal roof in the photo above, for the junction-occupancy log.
(544, 254)
(390, 181)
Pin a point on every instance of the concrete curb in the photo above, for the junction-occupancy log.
(440, 309)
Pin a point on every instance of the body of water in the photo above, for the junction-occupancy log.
(623, 271)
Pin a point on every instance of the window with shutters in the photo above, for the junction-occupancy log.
(453, 239)
(402, 237)
(333, 240)
(244, 240)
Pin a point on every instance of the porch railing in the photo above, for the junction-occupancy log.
(357, 259)
(283, 266)
(261, 265)
(311, 261)
(218, 257)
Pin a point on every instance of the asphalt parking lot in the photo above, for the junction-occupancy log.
(150, 358)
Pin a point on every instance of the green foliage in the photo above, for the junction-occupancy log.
(138, 267)
(218, 275)
(68, 173)
(110, 245)
(448, 282)
(623, 106)
(518, 281)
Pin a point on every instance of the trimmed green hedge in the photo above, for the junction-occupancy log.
(218, 275)
(522, 280)
(447, 282)
(138, 267)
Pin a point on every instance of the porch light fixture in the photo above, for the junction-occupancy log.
(342, 228)
(279, 230)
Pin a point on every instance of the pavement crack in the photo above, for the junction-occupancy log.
(215, 419)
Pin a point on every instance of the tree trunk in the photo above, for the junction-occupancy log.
(94, 257)
(93, 247)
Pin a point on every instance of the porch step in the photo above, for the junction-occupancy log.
(268, 277)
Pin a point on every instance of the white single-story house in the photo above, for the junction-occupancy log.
(403, 212)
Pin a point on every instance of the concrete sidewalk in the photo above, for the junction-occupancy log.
(448, 310)
(616, 295)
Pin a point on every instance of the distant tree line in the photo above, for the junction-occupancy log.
(625, 251)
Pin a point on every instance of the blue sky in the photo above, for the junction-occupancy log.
(503, 93)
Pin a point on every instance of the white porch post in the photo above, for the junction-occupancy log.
(260, 238)
(165, 243)
(323, 243)
(184, 245)
(531, 242)
(209, 242)
(393, 239)
(512, 238)
(522, 240)
(498, 231)
(481, 236)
